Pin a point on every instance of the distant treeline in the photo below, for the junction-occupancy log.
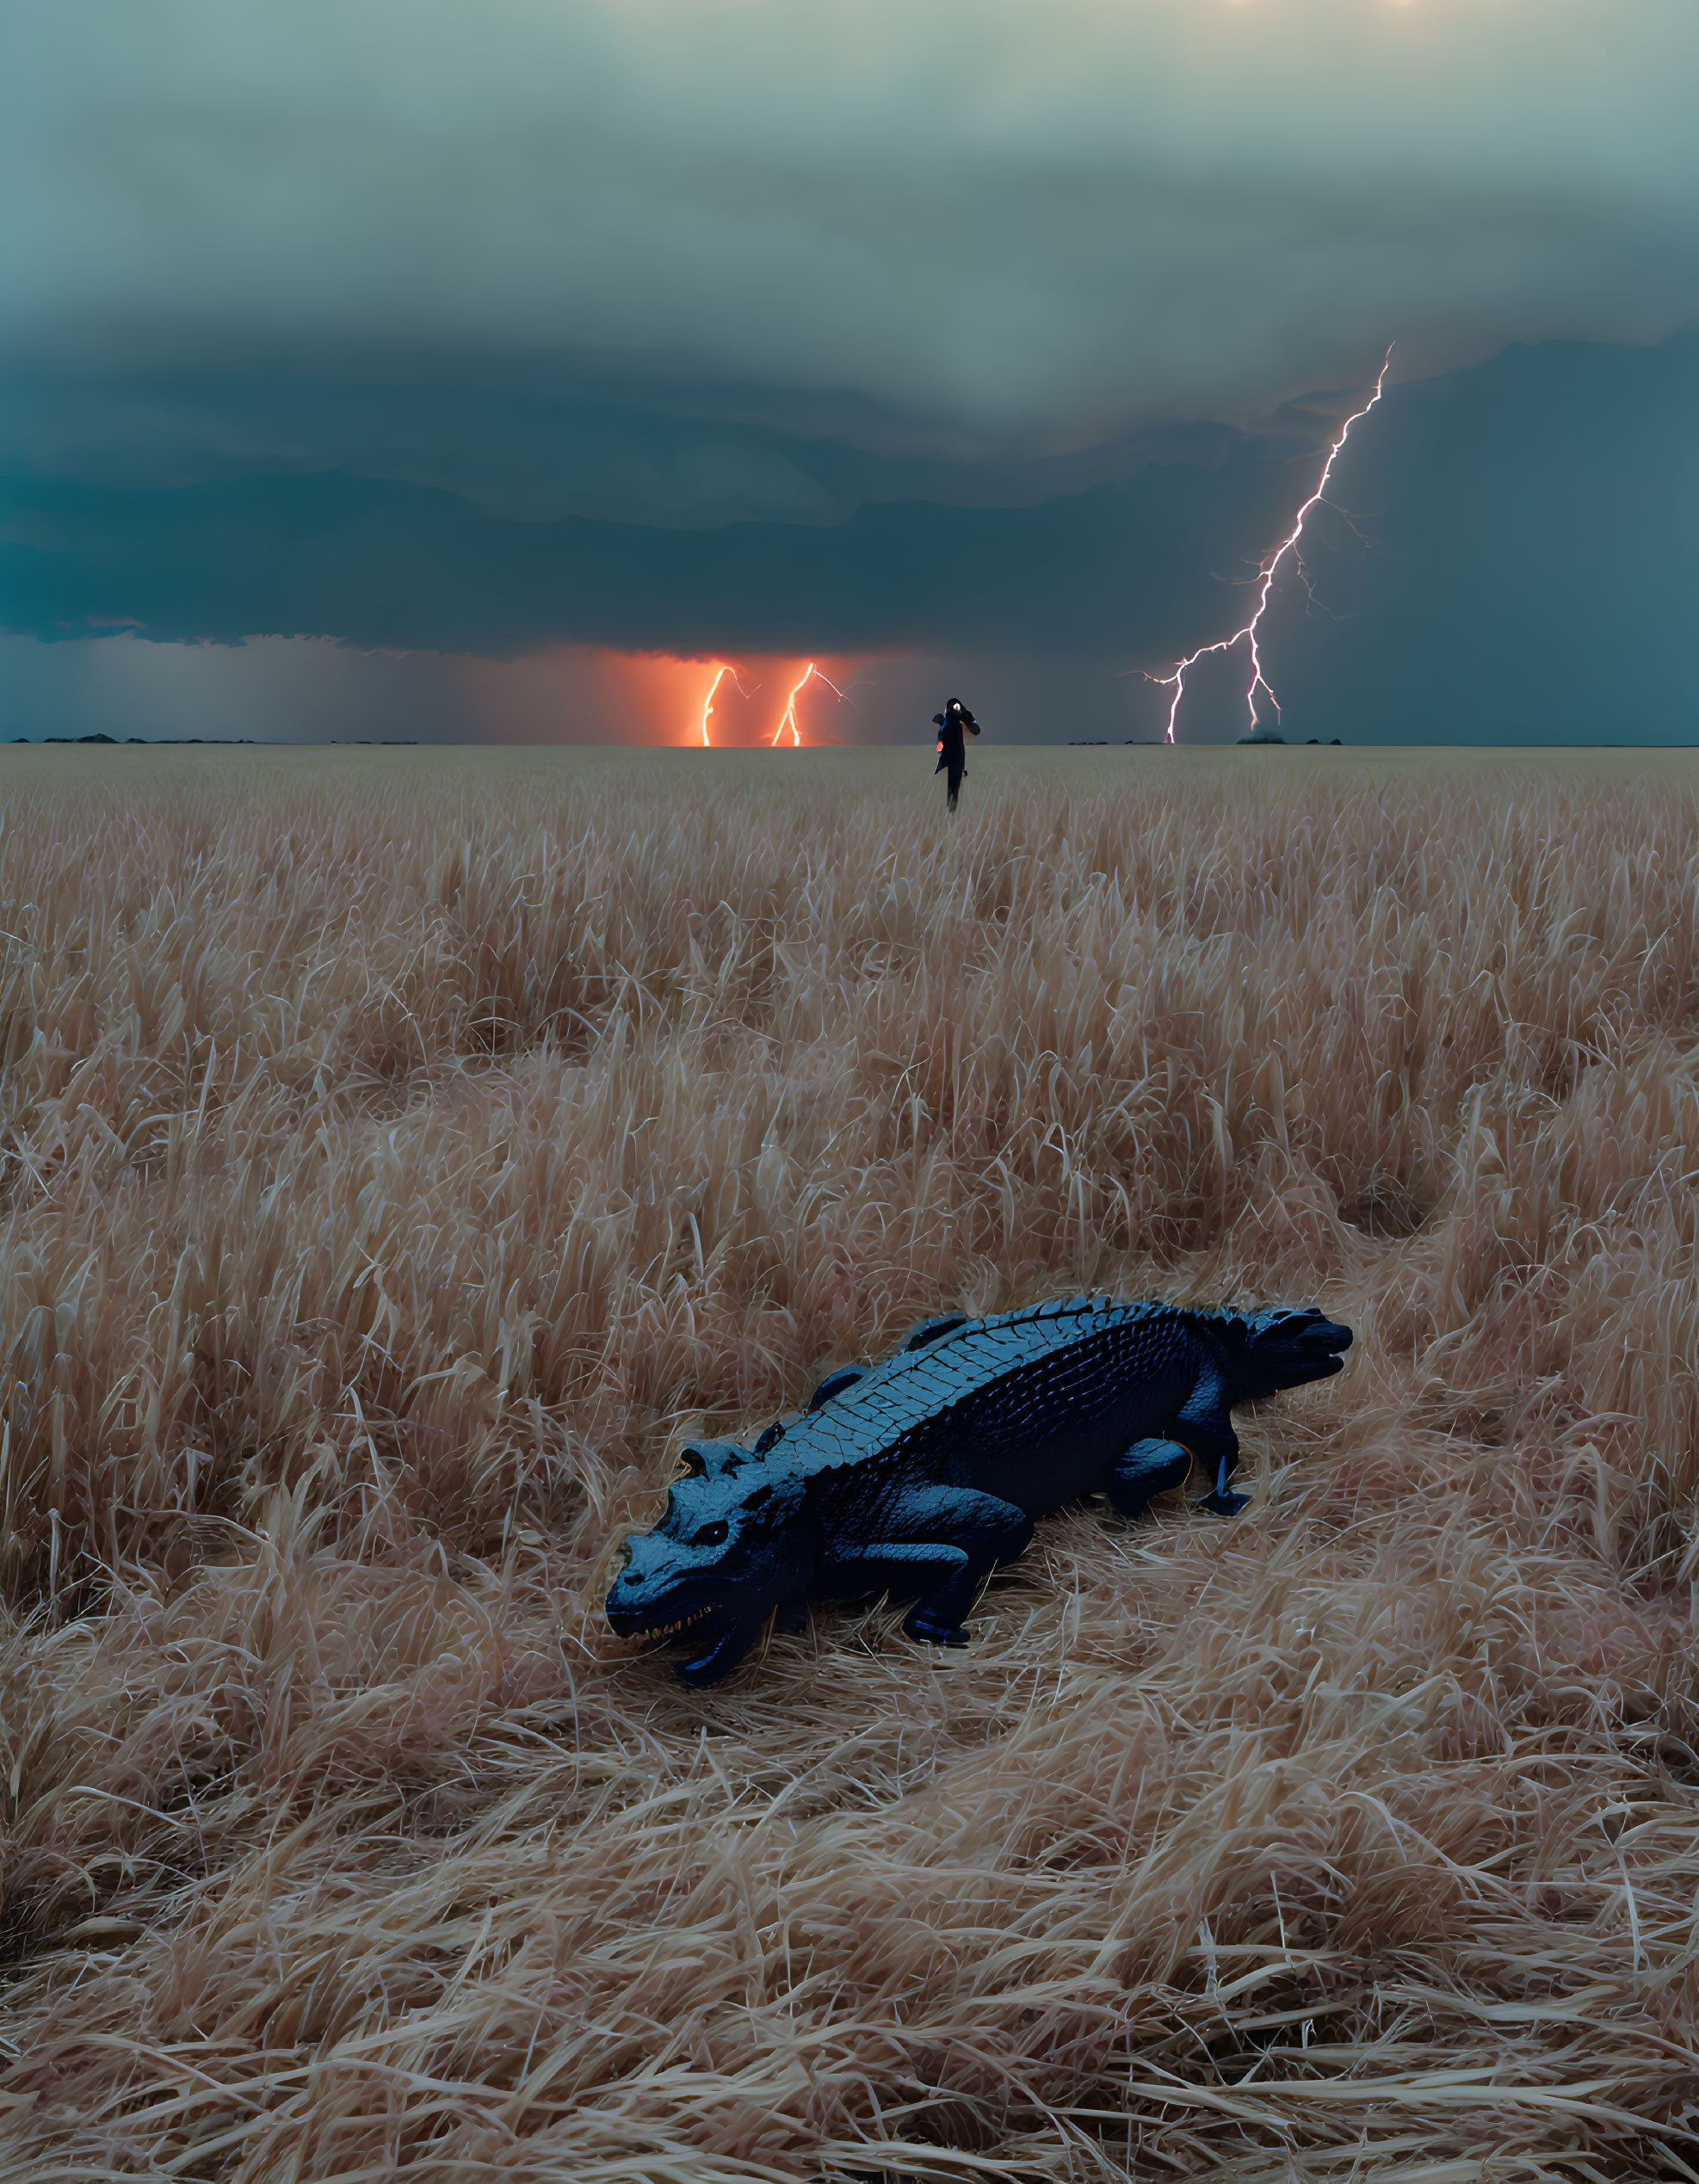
(409, 742)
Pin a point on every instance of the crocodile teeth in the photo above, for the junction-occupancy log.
(669, 1630)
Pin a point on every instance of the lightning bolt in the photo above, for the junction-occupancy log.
(1266, 572)
(720, 676)
(788, 720)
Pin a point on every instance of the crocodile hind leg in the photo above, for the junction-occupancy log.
(939, 1541)
(1147, 1467)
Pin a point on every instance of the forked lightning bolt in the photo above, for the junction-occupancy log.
(789, 718)
(1265, 576)
(720, 676)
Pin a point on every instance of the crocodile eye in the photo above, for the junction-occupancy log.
(712, 1535)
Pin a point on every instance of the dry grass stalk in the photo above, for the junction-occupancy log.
(394, 1164)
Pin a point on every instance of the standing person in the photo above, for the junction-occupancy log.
(952, 752)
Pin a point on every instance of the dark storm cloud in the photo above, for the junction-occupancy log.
(719, 325)
(950, 227)
(580, 446)
(1128, 568)
(1526, 531)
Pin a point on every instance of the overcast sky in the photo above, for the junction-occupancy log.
(994, 336)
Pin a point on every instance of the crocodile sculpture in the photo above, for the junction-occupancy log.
(916, 1475)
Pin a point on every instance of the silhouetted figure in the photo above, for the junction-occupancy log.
(952, 752)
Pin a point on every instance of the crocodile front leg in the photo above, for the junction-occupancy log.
(1221, 1501)
(1148, 1468)
(791, 1615)
(940, 1541)
(1205, 1425)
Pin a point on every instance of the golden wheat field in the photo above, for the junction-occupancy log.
(404, 1151)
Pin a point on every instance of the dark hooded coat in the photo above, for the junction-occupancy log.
(952, 751)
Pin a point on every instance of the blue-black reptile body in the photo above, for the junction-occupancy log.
(917, 1475)
(1029, 1405)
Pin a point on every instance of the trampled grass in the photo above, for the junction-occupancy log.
(401, 1155)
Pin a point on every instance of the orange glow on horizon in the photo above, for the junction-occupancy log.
(593, 694)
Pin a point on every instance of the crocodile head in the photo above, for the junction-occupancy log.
(1283, 1347)
(729, 1548)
